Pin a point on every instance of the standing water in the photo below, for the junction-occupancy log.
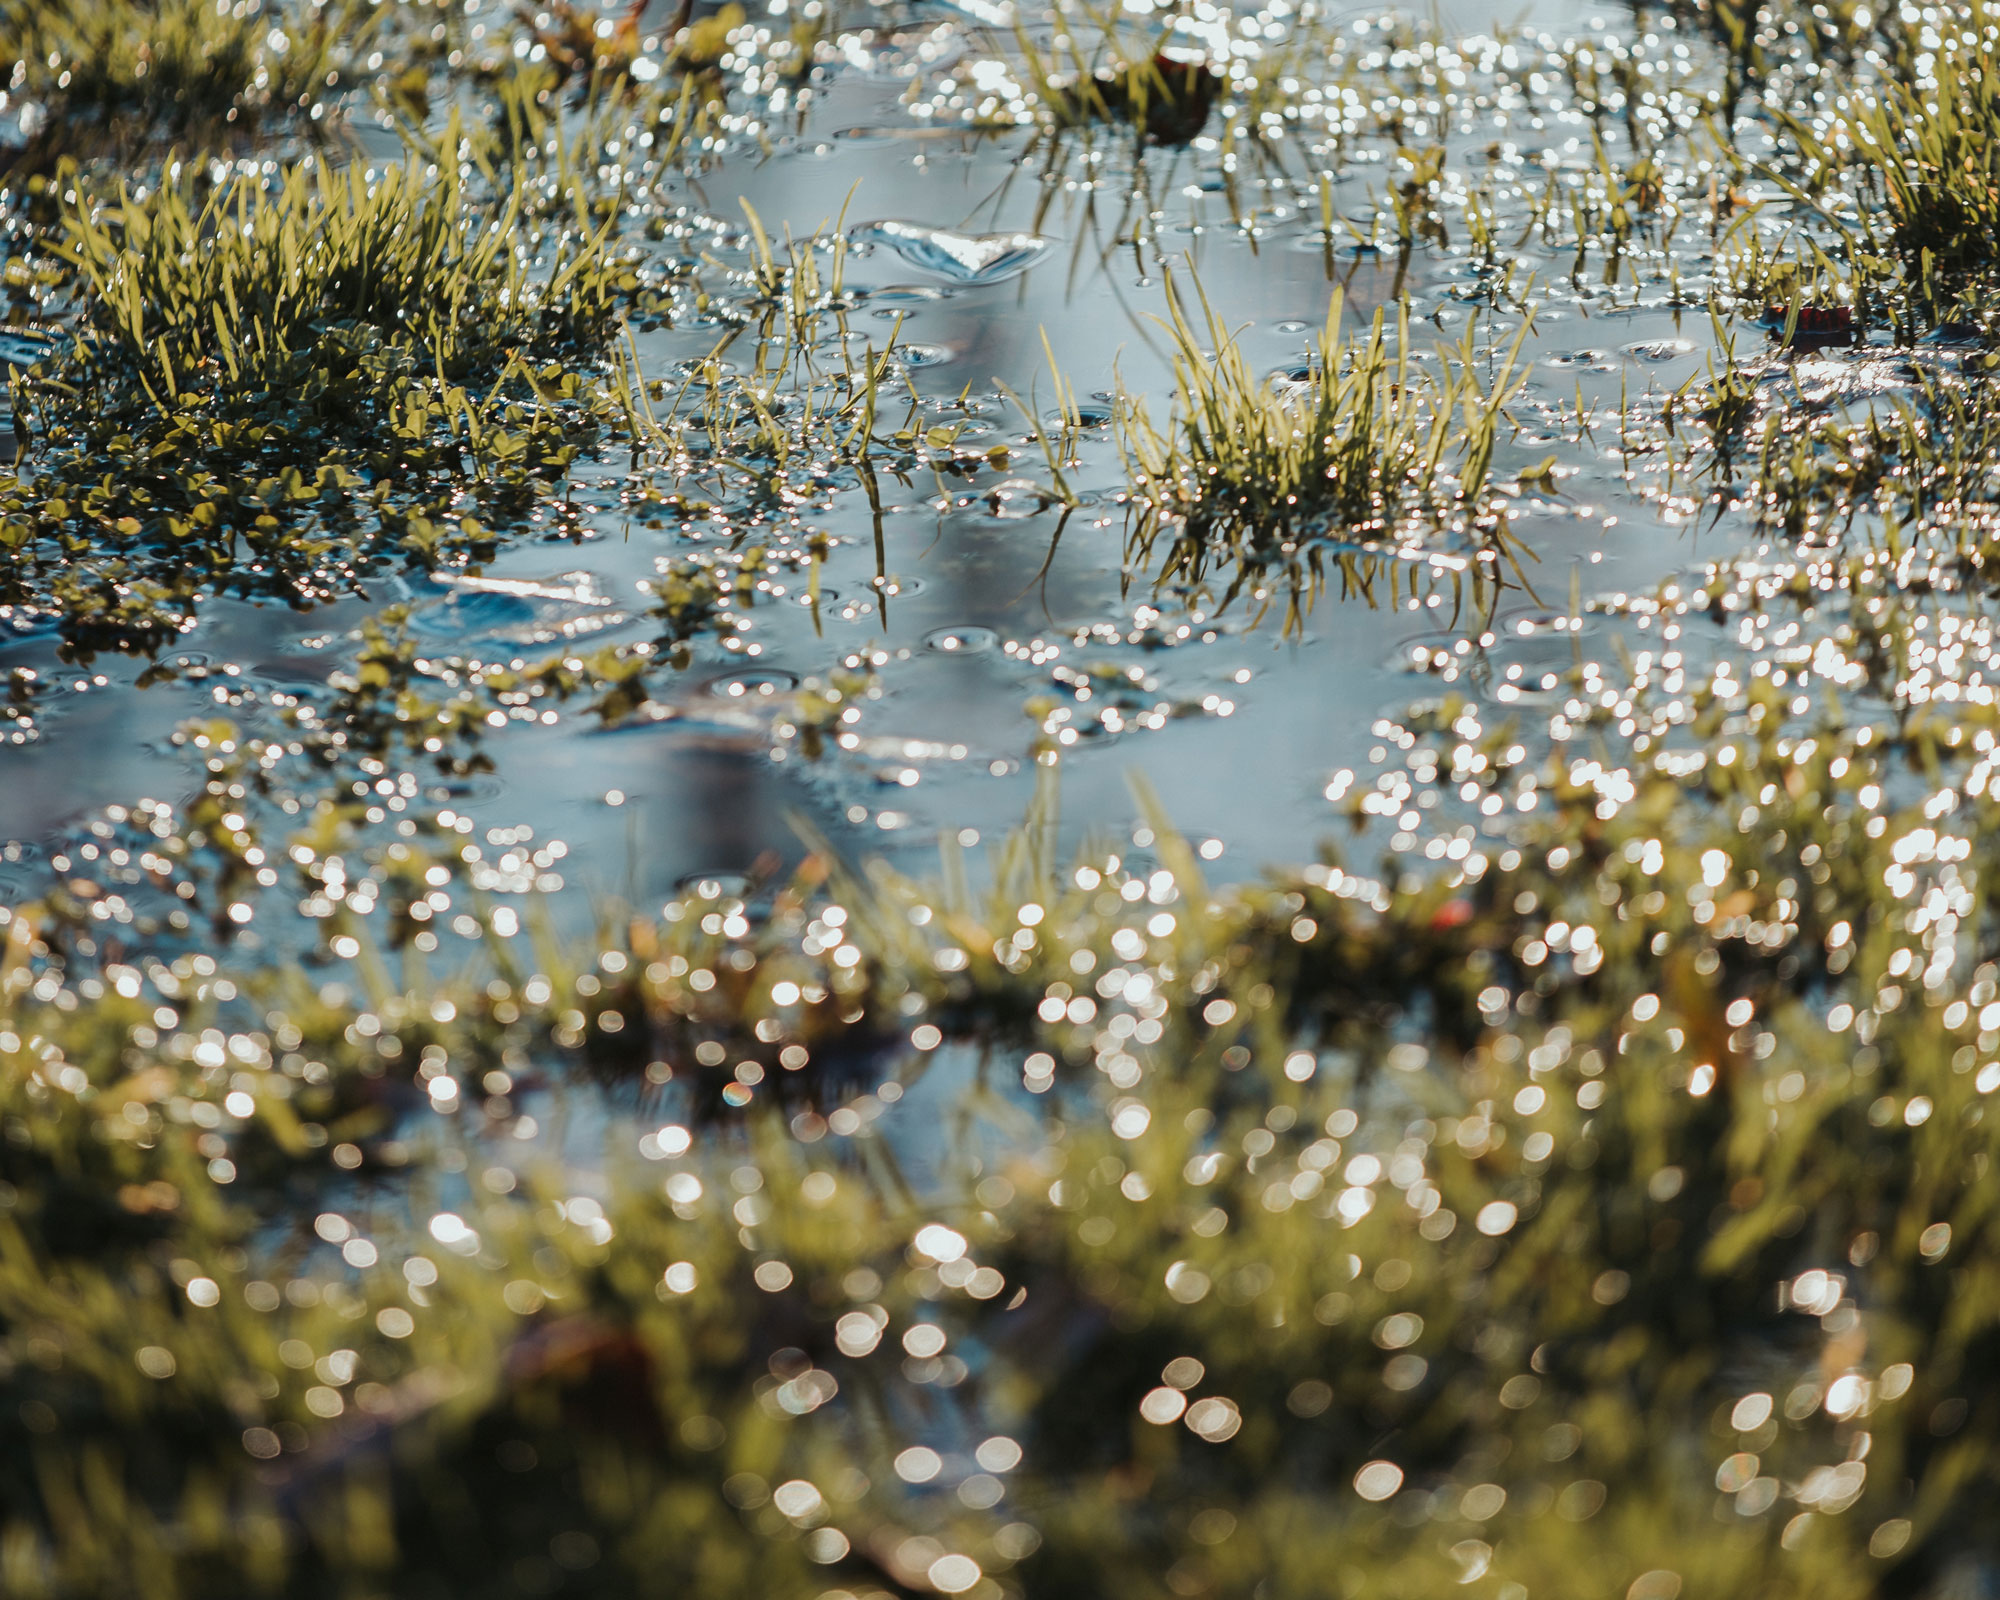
(998, 800)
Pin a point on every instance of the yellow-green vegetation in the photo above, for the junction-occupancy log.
(402, 702)
(1398, 1233)
(1592, 1198)
(1933, 143)
(1165, 99)
(277, 382)
(1762, 37)
(1921, 463)
(1350, 467)
(110, 76)
(255, 282)
(1171, 77)
(1896, 178)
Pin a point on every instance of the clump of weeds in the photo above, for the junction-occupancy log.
(1627, 1124)
(1345, 465)
(277, 382)
(1168, 99)
(105, 77)
(1903, 173)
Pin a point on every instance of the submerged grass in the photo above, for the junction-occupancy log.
(796, 390)
(1893, 454)
(1348, 465)
(403, 702)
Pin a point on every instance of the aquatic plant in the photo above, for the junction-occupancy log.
(1899, 174)
(815, 393)
(1891, 457)
(1343, 466)
(401, 701)
(1116, 100)
(1166, 99)
(1595, 1198)
(1623, 1176)
(1097, 67)
(1935, 148)
(262, 280)
(292, 379)
(550, 136)
(109, 75)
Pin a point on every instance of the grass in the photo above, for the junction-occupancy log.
(1607, 1209)
(293, 378)
(261, 285)
(547, 135)
(770, 411)
(1545, 1297)
(1769, 47)
(1935, 148)
(1903, 174)
(403, 702)
(1269, 475)
(112, 76)
(1916, 473)
(1905, 470)
(1165, 99)
(1107, 95)
(1096, 68)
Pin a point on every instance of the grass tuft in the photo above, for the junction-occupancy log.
(111, 75)
(1276, 472)
(1935, 147)
(280, 382)
(261, 285)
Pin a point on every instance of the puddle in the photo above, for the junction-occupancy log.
(656, 892)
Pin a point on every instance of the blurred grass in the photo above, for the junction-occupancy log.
(1518, 1183)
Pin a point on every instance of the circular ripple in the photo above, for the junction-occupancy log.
(968, 641)
(474, 789)
(759, 684)
(714, 885)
